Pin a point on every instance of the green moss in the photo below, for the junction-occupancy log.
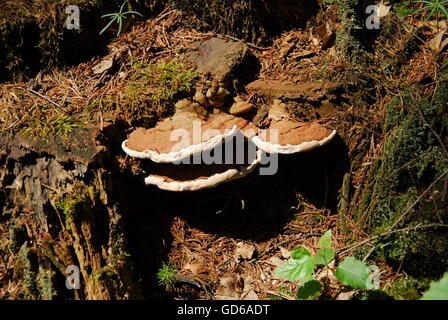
(45, 284)
(110, 279)
(48, 252)
(407, 288)
(412, 159)
(28, 273)
(118, 242)
(44, 126)
(166, 274)
(404, 8)
(17, 237)
(154, 88)
(77, 202)
(348, 38)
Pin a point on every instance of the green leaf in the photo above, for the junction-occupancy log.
(438, 290)
(299, 252)
(354, 273)
(325, 240)
(325, 255)
(133, 12)
(296, 269)
(107, 26)
(309, 289)
(108, 15)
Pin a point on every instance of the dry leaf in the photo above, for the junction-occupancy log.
(195, 268)
(236, 287)
(285, 253)
(243, 250)
(345, 295)
(103, 66)
(381, 9)
(275, 261)
(436, 42)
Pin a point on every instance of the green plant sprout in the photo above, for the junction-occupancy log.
(166, 274)
(118, 16)
(301, 266)
(437, 7)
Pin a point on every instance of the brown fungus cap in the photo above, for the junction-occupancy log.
(285, 135)
(229, 161)
(191, 130)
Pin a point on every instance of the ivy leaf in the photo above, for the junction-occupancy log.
(296, 269)
(325, 255)
(309, 289)
(438, 290)
(300, 252)
(354, 273)
(325, 240)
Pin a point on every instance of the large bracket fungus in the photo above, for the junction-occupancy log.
(202, 145)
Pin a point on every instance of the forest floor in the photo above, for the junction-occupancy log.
(234, 256)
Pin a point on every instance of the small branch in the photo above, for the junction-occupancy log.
(281, 295)
(439, 139)
(254, 46)
(417, 201)
(356, 245)
(42, 97)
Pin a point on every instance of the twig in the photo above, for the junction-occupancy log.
(284, 296)
(439, 139)
(42, 97)
(28, 111)
(254, 46)
(356, 245)
(417, 201)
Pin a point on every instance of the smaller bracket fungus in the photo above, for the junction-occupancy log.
(286, 136)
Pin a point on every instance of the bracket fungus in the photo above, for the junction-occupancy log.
(206, 142)
(202, 174)
(285, 135)
(199, 148)
(197, 130)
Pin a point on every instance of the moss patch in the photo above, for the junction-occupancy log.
(153, 89)
(412, 161)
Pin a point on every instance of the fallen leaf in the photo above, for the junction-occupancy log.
(345, 295)
(236, 287)
(245, 251)
(436, 42)
(382, 10)
(285, 253)
(103, 66)
(275, 261)
(195, 268)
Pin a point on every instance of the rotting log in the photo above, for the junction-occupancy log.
(58, 208)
